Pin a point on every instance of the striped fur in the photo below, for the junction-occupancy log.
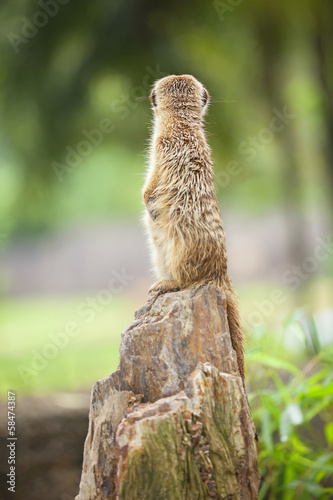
(182, 214)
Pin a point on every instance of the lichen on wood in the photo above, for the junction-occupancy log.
(173, 421)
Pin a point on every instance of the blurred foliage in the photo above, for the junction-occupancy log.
(67, 65)
(35, 359)
(293, 412)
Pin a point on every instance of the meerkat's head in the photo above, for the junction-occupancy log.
(182, 94)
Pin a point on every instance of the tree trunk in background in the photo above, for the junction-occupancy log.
(323, 45)
(173, 421)
(271, 34)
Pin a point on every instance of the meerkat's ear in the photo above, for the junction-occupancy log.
(205, 97)
(152, 98)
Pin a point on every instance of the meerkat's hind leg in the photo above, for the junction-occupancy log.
(164, 286)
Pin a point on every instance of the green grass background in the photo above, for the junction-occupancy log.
(91, 355)
(94, 353)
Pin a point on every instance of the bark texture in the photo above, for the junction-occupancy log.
(172, 422)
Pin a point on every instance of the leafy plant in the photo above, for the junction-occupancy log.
(293, 411)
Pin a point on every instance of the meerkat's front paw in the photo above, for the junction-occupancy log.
(164, 286)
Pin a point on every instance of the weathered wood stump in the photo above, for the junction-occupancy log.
(172, 422)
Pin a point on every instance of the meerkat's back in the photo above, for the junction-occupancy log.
(182, 216)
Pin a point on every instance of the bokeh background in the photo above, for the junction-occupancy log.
(74, 130)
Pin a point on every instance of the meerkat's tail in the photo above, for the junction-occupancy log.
(235, 327)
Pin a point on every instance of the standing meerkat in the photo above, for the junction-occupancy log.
(183, 216)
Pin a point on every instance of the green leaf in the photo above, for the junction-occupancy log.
(324, 464)
(318, 376)
(280, 481)
(313, 488)
(311, 464)
(264, 487)
(269, 403)
(313, 334)
(283, 389)
(267, 430)
(317, 408)
(272, 362)
(291, 416)
(298, 445)
(327, 355)
(329, 433)
(294, 316)
(319, 391)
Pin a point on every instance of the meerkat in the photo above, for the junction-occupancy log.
(182, 213)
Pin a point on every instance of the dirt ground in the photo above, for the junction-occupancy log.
(50, 436)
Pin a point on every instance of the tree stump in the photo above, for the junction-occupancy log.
(172, 422)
